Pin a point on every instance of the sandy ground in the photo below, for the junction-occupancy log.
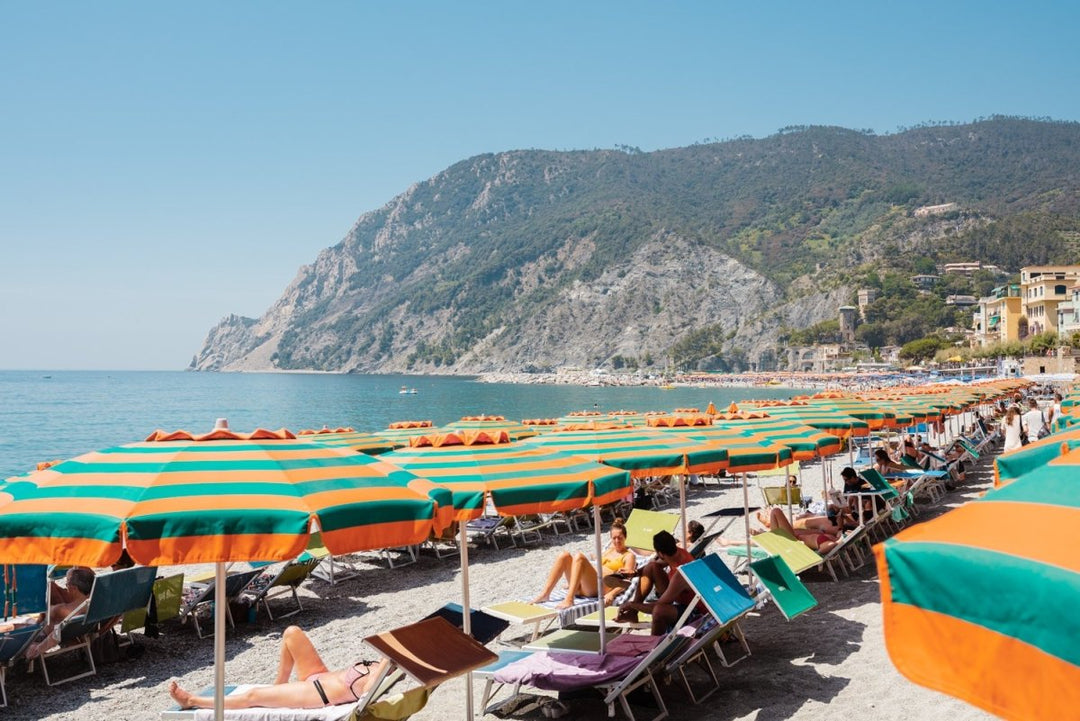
(830, 662)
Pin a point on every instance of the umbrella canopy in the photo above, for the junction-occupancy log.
(981, 602)
(831, 421)
(1014, 464)
(515, 430)
(519, 479)
(643, 452)
(222, 497)
(805, 443)
(399, 432)
(348, 438)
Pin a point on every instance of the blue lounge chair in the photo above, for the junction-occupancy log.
(25, 594)
(205, 593)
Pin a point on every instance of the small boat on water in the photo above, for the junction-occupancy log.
(405, 390)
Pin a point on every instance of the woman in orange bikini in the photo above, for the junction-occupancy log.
(317, 686)
(580, 571)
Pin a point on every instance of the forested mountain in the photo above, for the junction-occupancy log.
(706, 256)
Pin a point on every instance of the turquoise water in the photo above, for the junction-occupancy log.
(46, 415)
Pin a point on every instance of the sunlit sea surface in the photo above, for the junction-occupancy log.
(47, 415)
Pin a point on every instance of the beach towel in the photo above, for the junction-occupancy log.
(327, 713)
(569, 671)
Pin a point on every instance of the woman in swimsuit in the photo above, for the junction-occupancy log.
(580, 572)
(317, 686)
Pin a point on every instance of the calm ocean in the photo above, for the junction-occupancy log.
(59, 414)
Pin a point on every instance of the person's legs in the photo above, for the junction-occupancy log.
(297, 652)
(559, 569)
(778, 521)
(298, 694)
(582, 580)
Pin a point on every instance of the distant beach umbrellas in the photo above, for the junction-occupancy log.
(348, 438)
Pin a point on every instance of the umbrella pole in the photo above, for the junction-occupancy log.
(746, 523)
(600, 576)
(220, 607)
(682, 511)
(466, 610)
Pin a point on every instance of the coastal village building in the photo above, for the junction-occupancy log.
(969, 269)
(925, 281)
(997, 319)
(1042, 289)
(1014, 312)
(1069, 314)
(928, 210)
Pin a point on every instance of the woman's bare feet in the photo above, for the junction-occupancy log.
(566, 602)
(180, 696)
(539, 599)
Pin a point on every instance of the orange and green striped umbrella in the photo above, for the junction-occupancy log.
(222, 497)
(519, 479)
(399, 432)
(1013, 465)
(981, 602)
(641, 451)
(348, 438)
(746, 451)
(805, 443)
(830, 421)
(516, 430)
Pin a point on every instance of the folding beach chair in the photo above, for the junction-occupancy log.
(25, 596)
(726, 601)
(428, 652)
(776, 542)
(642, 525)
(285, 580)
(333, 569)
(164, 605)
(540, 618)
(112, 595)
(784, 587)
(484, 627)
(203, 593)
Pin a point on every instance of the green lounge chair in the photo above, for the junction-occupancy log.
(787, 591)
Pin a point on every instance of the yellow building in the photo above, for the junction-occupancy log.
(1042, 289)
(998, 317)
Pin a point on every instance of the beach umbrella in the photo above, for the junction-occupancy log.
(1025, 459)
(399, 432)
(515, 430)
(518, 479)
(348, 438)
(216, 498)
(981, 602)
(643, 452)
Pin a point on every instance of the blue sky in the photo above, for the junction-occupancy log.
(165, 164)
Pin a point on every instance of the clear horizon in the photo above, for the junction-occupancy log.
(167, 165)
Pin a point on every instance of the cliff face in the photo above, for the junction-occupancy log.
(534, 259)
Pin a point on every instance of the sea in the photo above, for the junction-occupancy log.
(50, 415)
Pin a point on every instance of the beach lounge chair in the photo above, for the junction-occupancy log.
(25, 597)
(428, 652)
(285, 580)
(112, 595)
(489, 528)
(642, 525)
(568, 660)
(484, 627)
(164, 605)
(784, 587)
(333, 569)
(777, 542)
(202, 592)
(727, 602)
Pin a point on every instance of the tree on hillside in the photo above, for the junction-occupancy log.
(921, 349)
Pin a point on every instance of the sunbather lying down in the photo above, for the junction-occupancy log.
(317, 686)
(817, 532)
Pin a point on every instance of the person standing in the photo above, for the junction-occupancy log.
(1034, 422)
(1011, 424)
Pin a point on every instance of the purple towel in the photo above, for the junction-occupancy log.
(569, 671)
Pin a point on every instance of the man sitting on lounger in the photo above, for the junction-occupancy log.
(316, 686)
(662, 575)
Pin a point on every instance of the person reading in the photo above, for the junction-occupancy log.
(661, 575)
(316, 685)
(580, 571)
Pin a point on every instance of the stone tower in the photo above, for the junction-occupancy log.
(848, 316)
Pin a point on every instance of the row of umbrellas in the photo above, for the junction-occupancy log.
(178, 498)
